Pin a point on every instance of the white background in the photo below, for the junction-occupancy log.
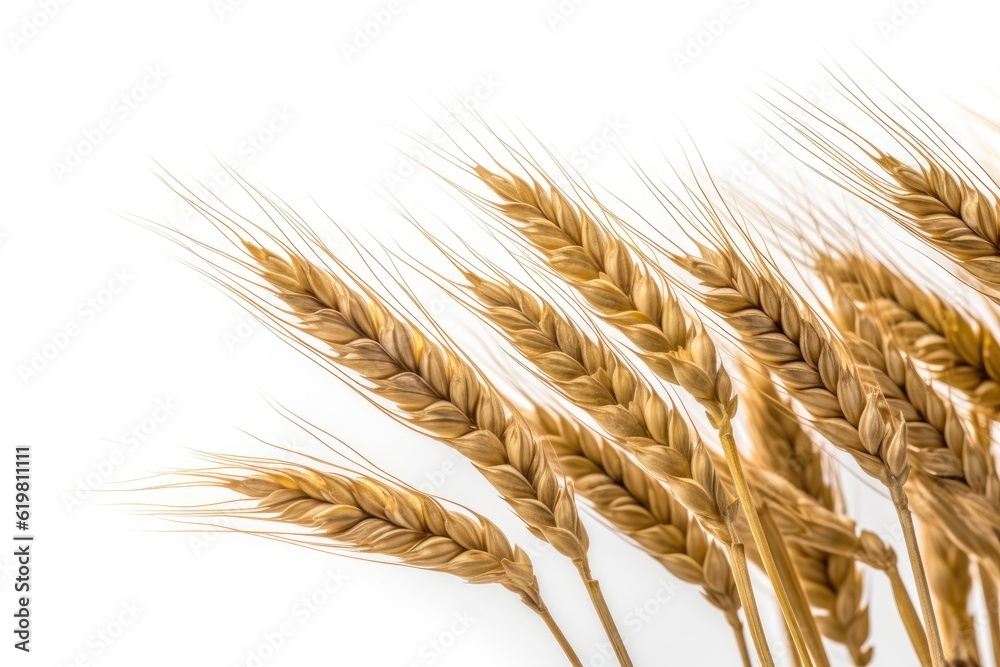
(277, 74)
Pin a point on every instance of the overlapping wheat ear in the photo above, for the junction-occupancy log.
(960, 350)
(940, 446)
(833, 583)
(592, 376)
(642, 509)
(783, 333)
(939, 193)
(628, 294)
(370, 516)
(948, 570)
(421, 382)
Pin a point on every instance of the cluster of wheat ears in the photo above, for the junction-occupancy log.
(808, 348)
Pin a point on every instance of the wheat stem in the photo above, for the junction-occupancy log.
(741, 640)
(792, 584)
(909, 615)
(795, 615)
(557, 632)
(899, 500)
(741, 572)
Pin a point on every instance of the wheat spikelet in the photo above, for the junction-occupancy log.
(641, 508)
(960, 350)
(951, 583)
(833, 583)
(365, 515)
(623, 289)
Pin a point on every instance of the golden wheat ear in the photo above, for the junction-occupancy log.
(908, 167)
(358, 514)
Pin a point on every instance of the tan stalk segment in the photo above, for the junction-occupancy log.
(806, 523)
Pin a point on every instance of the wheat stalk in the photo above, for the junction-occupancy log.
(832, 582)
(643, 510)
(366, 515)
(627, 293)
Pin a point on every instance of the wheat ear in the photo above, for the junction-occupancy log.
(643, 510)
(949, 214)
(951, 583)
(436, 392)
(369, 516)
(833, 583)
(786, 336)
(960, 350)
(625, 291)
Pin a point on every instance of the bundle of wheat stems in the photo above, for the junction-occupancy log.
(622, 328)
